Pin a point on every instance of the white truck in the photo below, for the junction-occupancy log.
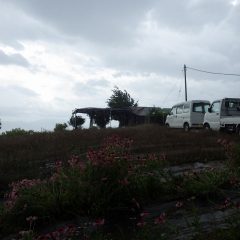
(223, 114)
(187, 115)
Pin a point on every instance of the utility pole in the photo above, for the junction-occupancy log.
(185, 77)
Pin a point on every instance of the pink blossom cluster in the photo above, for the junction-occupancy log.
(142, 222)
(62, 233)
(75, 162)
(161, 219)
(113, 149)
(17, 187)
(99, 222)
(58, 166)
(227, 203)
(228, 147)
(117, 142)
(234, 181)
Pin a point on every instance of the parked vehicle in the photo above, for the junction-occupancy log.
(224, 114)
(188, 114)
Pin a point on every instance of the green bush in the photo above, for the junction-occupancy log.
(18, 132)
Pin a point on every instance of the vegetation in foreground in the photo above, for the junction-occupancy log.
(106, 194)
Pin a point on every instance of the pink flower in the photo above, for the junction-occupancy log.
(163, 156)
(144, 214)
(124, 182)
(179, 204)
(99, 222)
(58, 166)
(161, 219)
(227, 203)
(31, 218)
(141, 223)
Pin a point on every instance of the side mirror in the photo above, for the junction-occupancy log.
(209, 110)
(227, 104)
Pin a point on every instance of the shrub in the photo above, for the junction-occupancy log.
(18, 132)
(60, 127)
(110, 181)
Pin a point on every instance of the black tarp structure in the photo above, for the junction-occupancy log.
(129, 115)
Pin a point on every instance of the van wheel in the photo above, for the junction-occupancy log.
(167, 125)
(186, 127)
(206, 127)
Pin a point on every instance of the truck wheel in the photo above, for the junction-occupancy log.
(238, 130)
(186, 127)
(206, 127)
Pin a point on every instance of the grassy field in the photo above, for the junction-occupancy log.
(25, 156)
(100, 178)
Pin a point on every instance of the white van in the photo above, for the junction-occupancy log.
(224, 114)
(188, 114)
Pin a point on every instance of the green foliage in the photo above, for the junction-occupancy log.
(17, 132)
(120, 99)
(237, 155)
(101, 119)
(200, 184)
(157, 115)
(76, 122)
(60, 127)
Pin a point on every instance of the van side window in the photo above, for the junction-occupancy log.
(173, 111)
(215, 108)
(186, 107)
(179, 109)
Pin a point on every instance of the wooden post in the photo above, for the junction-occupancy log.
(185, 77)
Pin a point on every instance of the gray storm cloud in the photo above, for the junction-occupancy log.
(138, 45)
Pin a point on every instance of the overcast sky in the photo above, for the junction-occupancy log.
(58, 55)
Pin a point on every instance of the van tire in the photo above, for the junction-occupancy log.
(186, 127)
(206, 127)
(167, 125)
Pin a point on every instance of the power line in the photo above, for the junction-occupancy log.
(216, 73)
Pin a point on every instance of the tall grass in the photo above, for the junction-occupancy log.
(29, 156)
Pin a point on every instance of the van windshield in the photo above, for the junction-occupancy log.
(200, 107)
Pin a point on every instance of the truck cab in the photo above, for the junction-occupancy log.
(223, 114)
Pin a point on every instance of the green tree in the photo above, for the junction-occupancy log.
(121, 99)
(60, 127)
(76, 122)
(102, 118)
